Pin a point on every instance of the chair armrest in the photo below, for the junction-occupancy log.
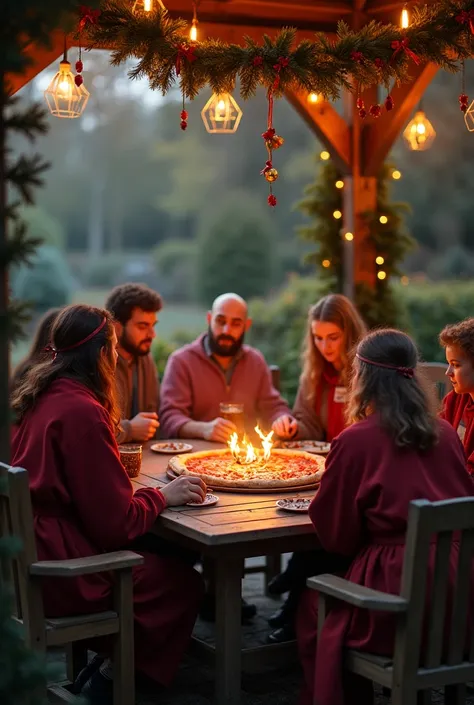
(357, 595)
(118, 560)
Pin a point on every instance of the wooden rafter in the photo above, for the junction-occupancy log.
(380, 135)
(40, 58)
(328, 126)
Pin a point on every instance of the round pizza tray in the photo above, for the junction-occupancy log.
(258, 490)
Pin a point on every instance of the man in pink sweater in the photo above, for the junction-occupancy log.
(217, 367)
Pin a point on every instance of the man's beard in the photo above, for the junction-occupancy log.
(136, 351)
(224, 350)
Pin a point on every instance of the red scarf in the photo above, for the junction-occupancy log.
(335, 409)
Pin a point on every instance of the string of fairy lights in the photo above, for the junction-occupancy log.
(67, 95)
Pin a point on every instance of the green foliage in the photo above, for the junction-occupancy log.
(103, 272)
(236, 250)
(388, 240)
(324, 65)
(175, 264)
(43, 226)
(47, 282)
(455, 263)
(161, 350)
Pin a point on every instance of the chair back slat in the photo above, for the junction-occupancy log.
(435, 372)
(9, 572)
(439, 594)
(461, 598)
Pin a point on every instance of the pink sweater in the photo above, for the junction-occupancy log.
(193, 387)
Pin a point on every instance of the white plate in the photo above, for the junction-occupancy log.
(317, 447)
(171, 448)
(294, 504)
(209, 501)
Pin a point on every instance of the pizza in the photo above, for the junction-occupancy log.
(310, 446)
(218, 468)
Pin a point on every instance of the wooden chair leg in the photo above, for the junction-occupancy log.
(455, 694)
(76, 659)
(404, 695)
(424, 697)
(123, 654)
(272, 569)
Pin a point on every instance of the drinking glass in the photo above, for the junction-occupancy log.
(131, 457)
(235, 413)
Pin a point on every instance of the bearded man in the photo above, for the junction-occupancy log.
(134, 308)
(217, 367)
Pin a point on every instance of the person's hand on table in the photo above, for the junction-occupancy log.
(285, 426)
(219, 430)
(183, 490)
(144, 425)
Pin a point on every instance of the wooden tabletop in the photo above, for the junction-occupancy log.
(237, 518)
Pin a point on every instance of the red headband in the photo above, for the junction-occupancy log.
(408, 372)
(50, 348)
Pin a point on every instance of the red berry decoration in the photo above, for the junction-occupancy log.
(360, 105)
(272, 201)
(79, 66)
(389, 103)
(78, 80)
(362, 113)
(184, 115)
(375, 110)
(184, 125)
(463, 102)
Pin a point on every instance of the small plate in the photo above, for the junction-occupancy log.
(294, 504)
(171, 447)
(209, 501)
(318, 447)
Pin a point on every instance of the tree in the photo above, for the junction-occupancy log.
(236, 250)
(386, 231)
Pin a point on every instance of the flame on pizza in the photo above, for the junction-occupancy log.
(244, 452)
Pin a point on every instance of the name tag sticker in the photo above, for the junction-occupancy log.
(340, 395)
(461, 431)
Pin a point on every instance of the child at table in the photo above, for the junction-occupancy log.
(397, 450)
(333, 330)
(82, 498)
(458, 405)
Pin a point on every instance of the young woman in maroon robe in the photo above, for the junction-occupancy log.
(458, 405)
(395, 451)
(83, 502)
(334, 328)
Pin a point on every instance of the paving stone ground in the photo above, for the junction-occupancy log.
(195, 683)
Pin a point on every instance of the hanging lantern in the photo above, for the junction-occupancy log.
(64, 97)
(419, 133)
(469, 117)
(140, 6)
(221, 114)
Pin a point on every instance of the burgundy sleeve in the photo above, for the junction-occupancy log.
(175, 398)
(102, 493)
(335, 511)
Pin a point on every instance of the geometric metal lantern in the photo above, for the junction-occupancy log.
(64, 98)
(469, 117)
(221, 114)
(419, 133)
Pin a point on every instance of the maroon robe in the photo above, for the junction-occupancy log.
(83, 505)
(361, 510)
(458, 410)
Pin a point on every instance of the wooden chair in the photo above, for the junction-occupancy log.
(444, 663)
(24, 572)
(271, 566)
(436, 373)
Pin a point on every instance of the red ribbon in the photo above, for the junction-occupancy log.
(282, 63)
(88, 16)
(268, 166)
(185, 51)
(402, 45)
(466, 17)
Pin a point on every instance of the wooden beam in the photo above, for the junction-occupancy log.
(327, 125)
(40, 58)
(380, 135)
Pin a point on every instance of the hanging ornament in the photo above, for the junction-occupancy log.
(375, 110)
(389, 103)
(272, 142)
(360, 105)
(87, 16)
(66, 98)
(184, 52)
(463, 98)
(221, 114)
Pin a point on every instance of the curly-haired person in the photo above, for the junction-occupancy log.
(458, 405)
(134, 308)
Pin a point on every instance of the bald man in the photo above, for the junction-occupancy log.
(217, 367)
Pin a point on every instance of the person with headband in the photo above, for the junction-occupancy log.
(396, 450)
(458, 405)
(83, 501)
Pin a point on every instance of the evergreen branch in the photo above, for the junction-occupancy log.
(26, 174)
(31, 121)
(19, 248)
(19, 313)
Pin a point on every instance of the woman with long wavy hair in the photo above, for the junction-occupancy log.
(395, 451)
(333, 330)
(83, 502)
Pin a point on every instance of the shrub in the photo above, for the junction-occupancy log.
(47, 283)
(175, 261)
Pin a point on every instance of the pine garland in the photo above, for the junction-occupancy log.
(376, 54)
(388, 240)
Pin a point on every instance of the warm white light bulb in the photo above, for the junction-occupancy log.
(405, 21)
(420, 128)
(221, 105)
(313, 97)
(147, 5)
(65, 87)
(193, 34)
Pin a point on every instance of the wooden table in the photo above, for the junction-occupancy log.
(241, 525)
